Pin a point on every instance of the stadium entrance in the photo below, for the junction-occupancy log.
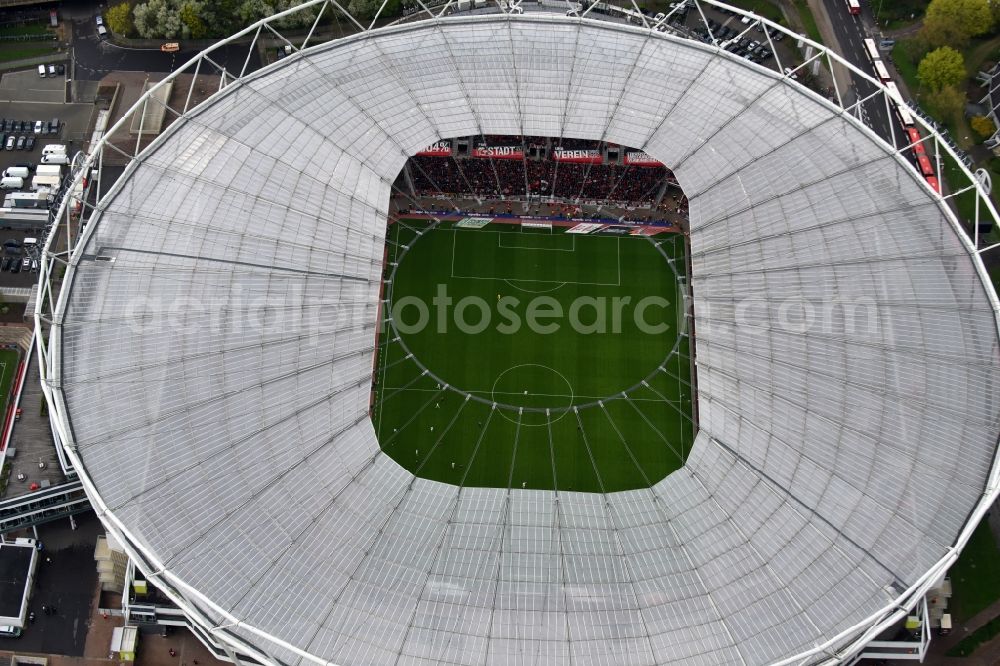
(531, 340)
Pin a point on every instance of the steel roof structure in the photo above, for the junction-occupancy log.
(210, 352)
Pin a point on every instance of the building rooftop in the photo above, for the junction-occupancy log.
(17, 564)
(839, 459)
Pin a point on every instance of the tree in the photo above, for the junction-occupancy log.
(119, 18)
(191, 16)
(159, 18)
(946, 102)
(941, 67)
(363, 9)
(983, 126)
(953, 22)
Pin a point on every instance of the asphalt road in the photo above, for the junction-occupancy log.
(850, 33)
(94, 58)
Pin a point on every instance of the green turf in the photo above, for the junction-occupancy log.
(8, 367)
(612, 441)
(17, 51)
(975, 578)
(973, 640)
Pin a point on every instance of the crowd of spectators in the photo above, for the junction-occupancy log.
(576, 144)
(537, 177)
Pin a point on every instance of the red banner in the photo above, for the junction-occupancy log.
(580, 156)
(499, 152)
(437, 149)
(640, 158)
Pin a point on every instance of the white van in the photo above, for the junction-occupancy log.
(41, 71)
(11, 183)
(55, 158)
(17, 172)
(102, 32)
(54, 148)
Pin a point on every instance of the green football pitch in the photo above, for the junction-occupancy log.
(535, 359)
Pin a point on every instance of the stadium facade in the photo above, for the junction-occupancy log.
(837, 472)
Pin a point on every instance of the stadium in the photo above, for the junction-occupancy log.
(801, 453)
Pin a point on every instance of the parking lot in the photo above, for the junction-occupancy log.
(29, 107)
(27, 86)
(13, 252)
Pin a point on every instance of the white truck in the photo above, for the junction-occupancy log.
(49, 182)
(48, 170)
(28, 199)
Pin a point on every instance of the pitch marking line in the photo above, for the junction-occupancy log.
(539, 395)
(559, 283)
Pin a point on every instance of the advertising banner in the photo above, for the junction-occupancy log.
(640, 158)
(578, 156)
(499, 152)
(437, 149)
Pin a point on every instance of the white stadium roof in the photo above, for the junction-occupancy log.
(834, 471)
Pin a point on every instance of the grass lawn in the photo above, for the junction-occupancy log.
(16, 51)
(38, 29)
(904, 57)
(571, 411)
(808, 20)
(981, 635)
(975, 577)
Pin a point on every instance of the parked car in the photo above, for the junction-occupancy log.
(52, 70)
(99, 19)
(26, 263)
(54, 126)
(102, 32)
(11, 140)
(5, 266)
(39, 126)
(15, 266)
(21, 142)
(25, 126)
(60, 69)
(31, 143)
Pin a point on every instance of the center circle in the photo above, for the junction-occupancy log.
(516, 387)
